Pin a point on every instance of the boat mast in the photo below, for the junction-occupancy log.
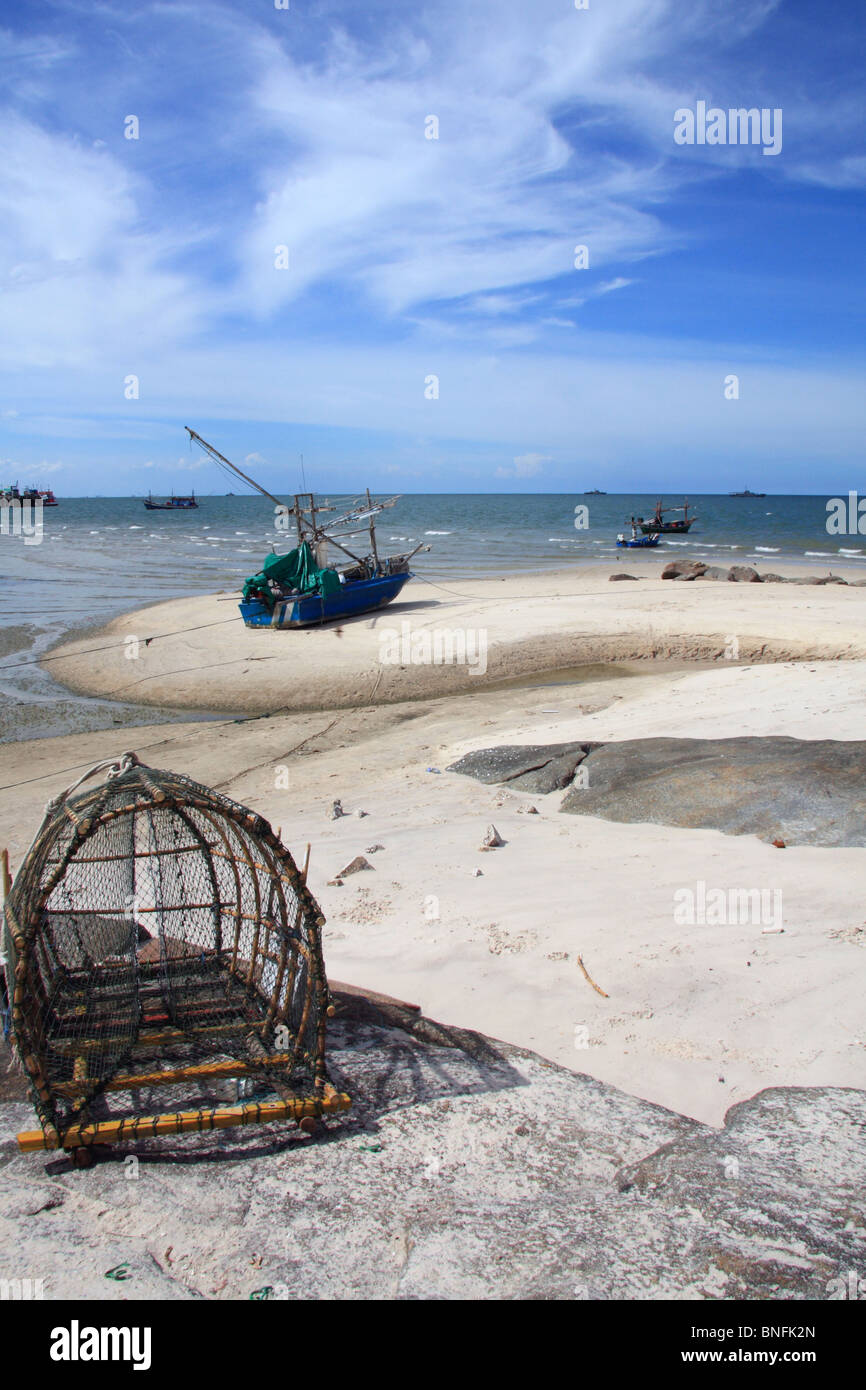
(215, 453)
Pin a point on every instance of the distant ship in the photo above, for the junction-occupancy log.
(173, 504)
(747, 493)
(595, 492)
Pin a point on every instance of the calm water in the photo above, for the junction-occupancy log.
(104, 556)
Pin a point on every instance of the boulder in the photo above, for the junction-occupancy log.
(528, 767)
(743, 574)
(715, 572)
(684, 569)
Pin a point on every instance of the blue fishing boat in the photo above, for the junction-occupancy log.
(304, 610)
(301, 588)
(636, 542)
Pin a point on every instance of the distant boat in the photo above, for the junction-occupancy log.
(747, 493)
(173, 504)
(28, 494)
(595, 492)
(658, 525)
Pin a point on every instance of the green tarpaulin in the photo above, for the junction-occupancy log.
(297, 570)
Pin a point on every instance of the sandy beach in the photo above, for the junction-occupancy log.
(694, 1018)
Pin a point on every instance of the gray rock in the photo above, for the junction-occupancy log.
(614, 577)
(743, 574)
(714, 572)
(356, 866)
(457, 1146)
(802, 791)
(531, 768)
(492, 838)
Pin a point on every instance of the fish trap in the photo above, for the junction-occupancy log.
(159, 938)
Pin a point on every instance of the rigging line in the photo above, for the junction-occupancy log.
(206, 727)
(113, 646)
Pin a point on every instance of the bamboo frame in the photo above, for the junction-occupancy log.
(183, 1122)
(285, 922)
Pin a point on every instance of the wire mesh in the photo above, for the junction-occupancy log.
(155, 928)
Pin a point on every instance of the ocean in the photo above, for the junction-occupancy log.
(102, 556)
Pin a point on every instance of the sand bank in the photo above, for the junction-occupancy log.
(195, 653)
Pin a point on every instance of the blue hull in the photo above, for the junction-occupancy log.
(643, 543)
(360, 597)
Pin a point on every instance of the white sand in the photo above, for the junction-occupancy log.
(697, 1017)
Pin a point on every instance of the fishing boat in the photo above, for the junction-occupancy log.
(301, 589)
(636, 542)
(746, 493)
(658, 525)
(28, 494)
(172, 504)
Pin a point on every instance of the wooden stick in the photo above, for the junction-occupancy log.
(588, 977)
(185, 1122)
(6, 875)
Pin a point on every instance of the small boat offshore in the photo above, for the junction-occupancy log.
(302, 588)
(172, 504)
(636, 542)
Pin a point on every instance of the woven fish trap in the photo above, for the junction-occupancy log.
(159, 938)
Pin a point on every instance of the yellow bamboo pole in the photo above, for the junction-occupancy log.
(184, 1122)
(128, 1082)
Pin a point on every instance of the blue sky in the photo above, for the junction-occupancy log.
(411, 258)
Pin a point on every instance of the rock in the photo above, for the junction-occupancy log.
(714, 572)
(614, 577)
(357, 865)
(528, 767)
(684, 569)
(335, 883)
(527, 811)
(779, 844)
(337, 811)
(570, 1181)
(373, 849)
(743, 574)
(807, 792)
(492, 838)
(361, 814)
(774, 579)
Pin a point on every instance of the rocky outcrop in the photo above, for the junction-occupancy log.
(743, 574)
(801, 791)
(465, 1169)
(527, 767)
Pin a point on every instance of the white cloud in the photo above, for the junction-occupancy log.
(524, 466)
